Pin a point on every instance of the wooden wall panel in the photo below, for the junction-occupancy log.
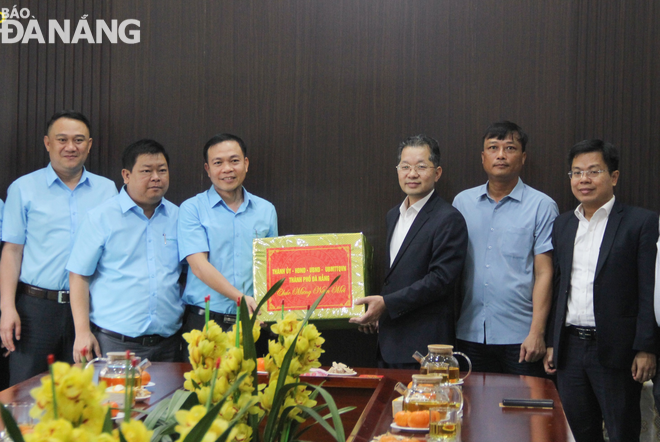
(618, 90)
(324, 91)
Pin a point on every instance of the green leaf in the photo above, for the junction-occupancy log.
(326, 417)
(10, 424)
(278, 400)
(333, 411)
(162, 432)
(157, 414)
(121, 436)
(250, 351)
(319, 419)
(181, 400)
(199, 430)
(266, 297)
(107, 422)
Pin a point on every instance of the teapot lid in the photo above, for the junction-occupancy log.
(441, 348)
(118, 355)
(427, 378)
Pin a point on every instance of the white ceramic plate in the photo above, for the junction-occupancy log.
(409, 429)
(150, 384)
(142, 398)
(342, 374)
(377, 438)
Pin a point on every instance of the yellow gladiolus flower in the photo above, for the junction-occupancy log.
(78, 399)
(232, 359)
(302, 345)
(187, 419)
(203, 394)
(243, 433)
(59, 430)
(105, 437)
(287, 326)
(135, 431)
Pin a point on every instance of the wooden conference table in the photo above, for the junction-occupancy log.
(372, 392)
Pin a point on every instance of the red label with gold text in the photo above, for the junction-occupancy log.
(308, 272)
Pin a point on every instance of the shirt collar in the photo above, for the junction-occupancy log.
(215, 199)
(51, 176)
(603, 210)
(515, 194)
(126, 203)
(417, 206)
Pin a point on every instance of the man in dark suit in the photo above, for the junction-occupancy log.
(426, 244)
(601, 335)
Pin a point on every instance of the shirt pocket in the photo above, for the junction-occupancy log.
(517, 242)
(260, 231)
(170, 249)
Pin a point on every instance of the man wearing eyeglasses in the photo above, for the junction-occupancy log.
(601, 339)
(507, 281)
(426, 244)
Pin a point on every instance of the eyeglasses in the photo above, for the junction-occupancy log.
(586, 173)
(407, 168)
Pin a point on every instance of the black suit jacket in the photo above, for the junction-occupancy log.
(623, 285)
(419, 287)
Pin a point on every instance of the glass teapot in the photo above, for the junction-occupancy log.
(114, 371)
(429, 391)
(441, 361)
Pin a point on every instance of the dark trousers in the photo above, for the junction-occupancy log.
(403, 366)
(656, 385)
(46, 328)
(590, 393)
(167, 350)
(489, 358)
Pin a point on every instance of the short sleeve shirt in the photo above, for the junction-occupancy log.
(42, 214)
(498, 281)
(207, 224)
(133, 265)
(2, 205)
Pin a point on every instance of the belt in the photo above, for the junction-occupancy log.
(145, 340)
(584, 333)
(217, 317)
(61, 296)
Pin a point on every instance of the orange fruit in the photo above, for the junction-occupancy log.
(261, 364)
(401, 418)
(26, 428)
(435, 416)
(146, 378)
(418, 419)
(388, 438)
(114, 408)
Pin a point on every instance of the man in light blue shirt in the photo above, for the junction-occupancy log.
(508, 271)
(216, 229)
(41, 215)
(125, 268)
(4, 363)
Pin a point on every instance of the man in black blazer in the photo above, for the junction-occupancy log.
(427, 245)
(601, 335)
